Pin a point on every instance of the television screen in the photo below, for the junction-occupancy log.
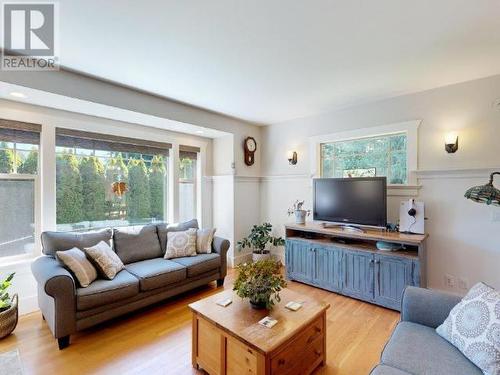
(361, 201)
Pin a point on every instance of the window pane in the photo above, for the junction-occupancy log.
(367, 157)
(187, 188)
(97, 188)
(27, 161)
(17, 220)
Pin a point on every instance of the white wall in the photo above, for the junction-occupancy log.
(463, 242)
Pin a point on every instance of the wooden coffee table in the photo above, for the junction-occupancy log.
(230, 341)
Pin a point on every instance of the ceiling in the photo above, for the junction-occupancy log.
(276, 60)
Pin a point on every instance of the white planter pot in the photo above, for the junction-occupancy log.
(300, 216)
(257, 257)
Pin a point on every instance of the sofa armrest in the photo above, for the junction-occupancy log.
(221, 246)
(56, 295)
(427, 307)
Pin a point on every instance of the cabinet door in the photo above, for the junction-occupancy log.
(327, 264)
(392, 275)
(357, 274)
(299, 260)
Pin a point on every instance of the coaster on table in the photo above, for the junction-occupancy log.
(294, 306)
(268, 322)
(225, 302)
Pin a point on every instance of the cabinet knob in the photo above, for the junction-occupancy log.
(371, 260)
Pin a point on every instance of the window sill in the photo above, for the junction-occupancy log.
(16, 262)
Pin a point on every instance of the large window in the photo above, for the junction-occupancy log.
(104, 181)
(19, 144)
(367, 157)
(188, 157)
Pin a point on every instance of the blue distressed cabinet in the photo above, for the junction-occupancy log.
(356, 268)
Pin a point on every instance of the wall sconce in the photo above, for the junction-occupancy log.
(292, 157)
(451, 142)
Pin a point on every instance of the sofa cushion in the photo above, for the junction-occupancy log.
(102, 292)
(200, 263)
(60, 241)
(157, 273)
(473, 326)
(105, 260)
(419, 350)
(388, 370)
(204, 239)
(164, 228)
(76, 261)
(181, 244)
(136, 243)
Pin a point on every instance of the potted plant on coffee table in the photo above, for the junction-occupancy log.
(8, 308)
(260, 282)
(259, 239)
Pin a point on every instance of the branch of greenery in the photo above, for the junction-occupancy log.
(260, 282)
(259, 237)
(5, 301)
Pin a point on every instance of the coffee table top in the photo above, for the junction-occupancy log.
(242, 321)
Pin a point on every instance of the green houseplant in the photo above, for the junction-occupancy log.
(8, 308)
(258, 239)
(260, 282)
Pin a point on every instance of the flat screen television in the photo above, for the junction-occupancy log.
(351, 201)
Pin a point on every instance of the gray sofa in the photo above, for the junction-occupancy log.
(146, 279)
(415, 347)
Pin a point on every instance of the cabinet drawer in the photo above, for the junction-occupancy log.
(240, 359)
(303, 354)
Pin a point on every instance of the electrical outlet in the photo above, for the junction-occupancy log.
(463, 283)
(449, 281)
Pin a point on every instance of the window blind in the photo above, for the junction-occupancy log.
(188, 152)
(96, 141)
(19, 132)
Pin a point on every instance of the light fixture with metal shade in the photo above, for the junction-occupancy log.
(485, 193)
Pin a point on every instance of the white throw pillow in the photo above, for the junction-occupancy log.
(473, 326)
(105, 260)
(204, 238)
(181, 244)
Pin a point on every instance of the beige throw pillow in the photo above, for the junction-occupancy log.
(181, 244)
(204, 238)
(77, 262)
(105, 259)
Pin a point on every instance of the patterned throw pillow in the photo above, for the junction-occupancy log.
(77, 262)
(473, 326)
(204, 238)
(105, 259)
(181, 244)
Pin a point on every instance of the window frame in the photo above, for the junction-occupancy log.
(410, 128)
(195, 180)
(92, 152)
(388, 155)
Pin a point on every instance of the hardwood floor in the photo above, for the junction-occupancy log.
(157, 340)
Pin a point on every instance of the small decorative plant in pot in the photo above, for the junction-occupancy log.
(8, 308)
(259, 239)
(260, 282)
(299, 212)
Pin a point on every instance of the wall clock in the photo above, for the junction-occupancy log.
(249, 147)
